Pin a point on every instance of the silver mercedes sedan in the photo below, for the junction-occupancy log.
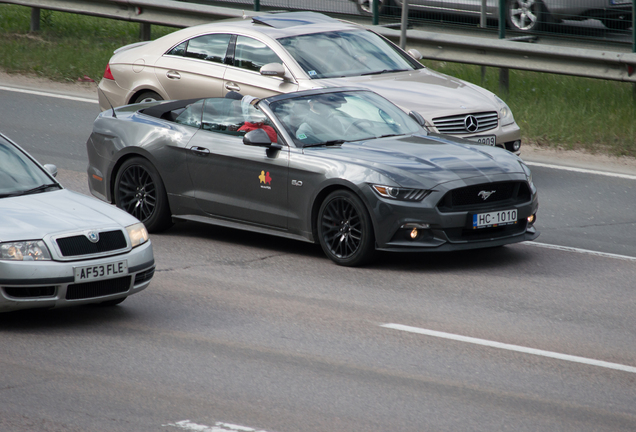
(521, 15)
(287, 52)
(62, 248)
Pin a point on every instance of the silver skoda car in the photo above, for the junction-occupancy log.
(287, 52)
(62, 248)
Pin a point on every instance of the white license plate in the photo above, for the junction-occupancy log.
(493, 219)
(490, 140)
(101, 271)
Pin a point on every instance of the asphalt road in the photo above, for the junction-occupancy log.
(239, 330)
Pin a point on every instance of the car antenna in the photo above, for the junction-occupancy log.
(111, 105)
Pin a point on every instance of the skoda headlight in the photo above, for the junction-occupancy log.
(138, 234)
(505, 113)
(29, 250)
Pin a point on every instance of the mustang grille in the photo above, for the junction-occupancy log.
(99, 288)
(483, 196)
(80, 245)
(466, 123)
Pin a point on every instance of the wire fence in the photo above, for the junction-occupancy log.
(608, 20)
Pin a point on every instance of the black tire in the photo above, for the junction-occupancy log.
(147, 96)
(139, 191)
(385, 7)
(622, 22)
(525, 15)
(110, 303)
(345, 230)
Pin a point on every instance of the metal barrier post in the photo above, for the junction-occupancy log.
(504, 73)
(376, 12)
(405, 23)
(483, 23)
(257, 5)
(35, 19)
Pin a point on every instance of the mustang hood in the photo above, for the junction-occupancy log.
(413, 161)
(430, 93)
(32, 217)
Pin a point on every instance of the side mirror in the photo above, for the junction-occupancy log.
(52, 169)
(258, 138)
(415, 54)
(418, 118)
(273, 69)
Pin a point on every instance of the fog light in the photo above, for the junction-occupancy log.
(516, 145)
(414, 233)
(532, 219)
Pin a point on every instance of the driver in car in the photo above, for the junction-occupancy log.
(321, 123)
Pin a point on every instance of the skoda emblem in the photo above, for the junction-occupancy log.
(93, 236)
(470, 123)
(485, 194)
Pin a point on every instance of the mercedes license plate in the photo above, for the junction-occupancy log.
(493, 219)
(490, 140)
(101, 271)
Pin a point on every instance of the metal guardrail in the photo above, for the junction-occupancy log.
(601, 64)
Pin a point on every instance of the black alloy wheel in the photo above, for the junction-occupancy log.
(140, 192)
(147, 96)
(345, 230)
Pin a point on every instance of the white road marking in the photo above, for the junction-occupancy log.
(581, 170)
(581, 251)
(509, 347)
(55, 95)
(218, 427)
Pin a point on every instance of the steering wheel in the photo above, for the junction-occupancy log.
(357, 124)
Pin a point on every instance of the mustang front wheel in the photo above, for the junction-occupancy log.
(140, 192)
(345, 230)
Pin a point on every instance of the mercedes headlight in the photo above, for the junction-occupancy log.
(29, 250)
(138, 234)
(505, 113)
(399, 193)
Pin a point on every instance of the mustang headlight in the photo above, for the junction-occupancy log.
(398, 193)
(30, 250)
(527, 171)
(137, 233)
(505, 113)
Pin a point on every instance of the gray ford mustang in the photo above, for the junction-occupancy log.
(342, 167)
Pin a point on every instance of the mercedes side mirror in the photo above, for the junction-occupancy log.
(273, 69)
(52, 169)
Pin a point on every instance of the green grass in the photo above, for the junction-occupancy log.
(552, 110)
(67, 47)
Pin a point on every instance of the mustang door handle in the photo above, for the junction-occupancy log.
(173, 75)
(200, 151)
(232, 87)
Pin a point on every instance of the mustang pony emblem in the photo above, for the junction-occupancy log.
(485, 194)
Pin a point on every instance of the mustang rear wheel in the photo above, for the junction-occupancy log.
(345, 230)
(140, 192)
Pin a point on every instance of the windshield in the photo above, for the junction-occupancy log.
(333, 118)
(345, 53)
(18, 174)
